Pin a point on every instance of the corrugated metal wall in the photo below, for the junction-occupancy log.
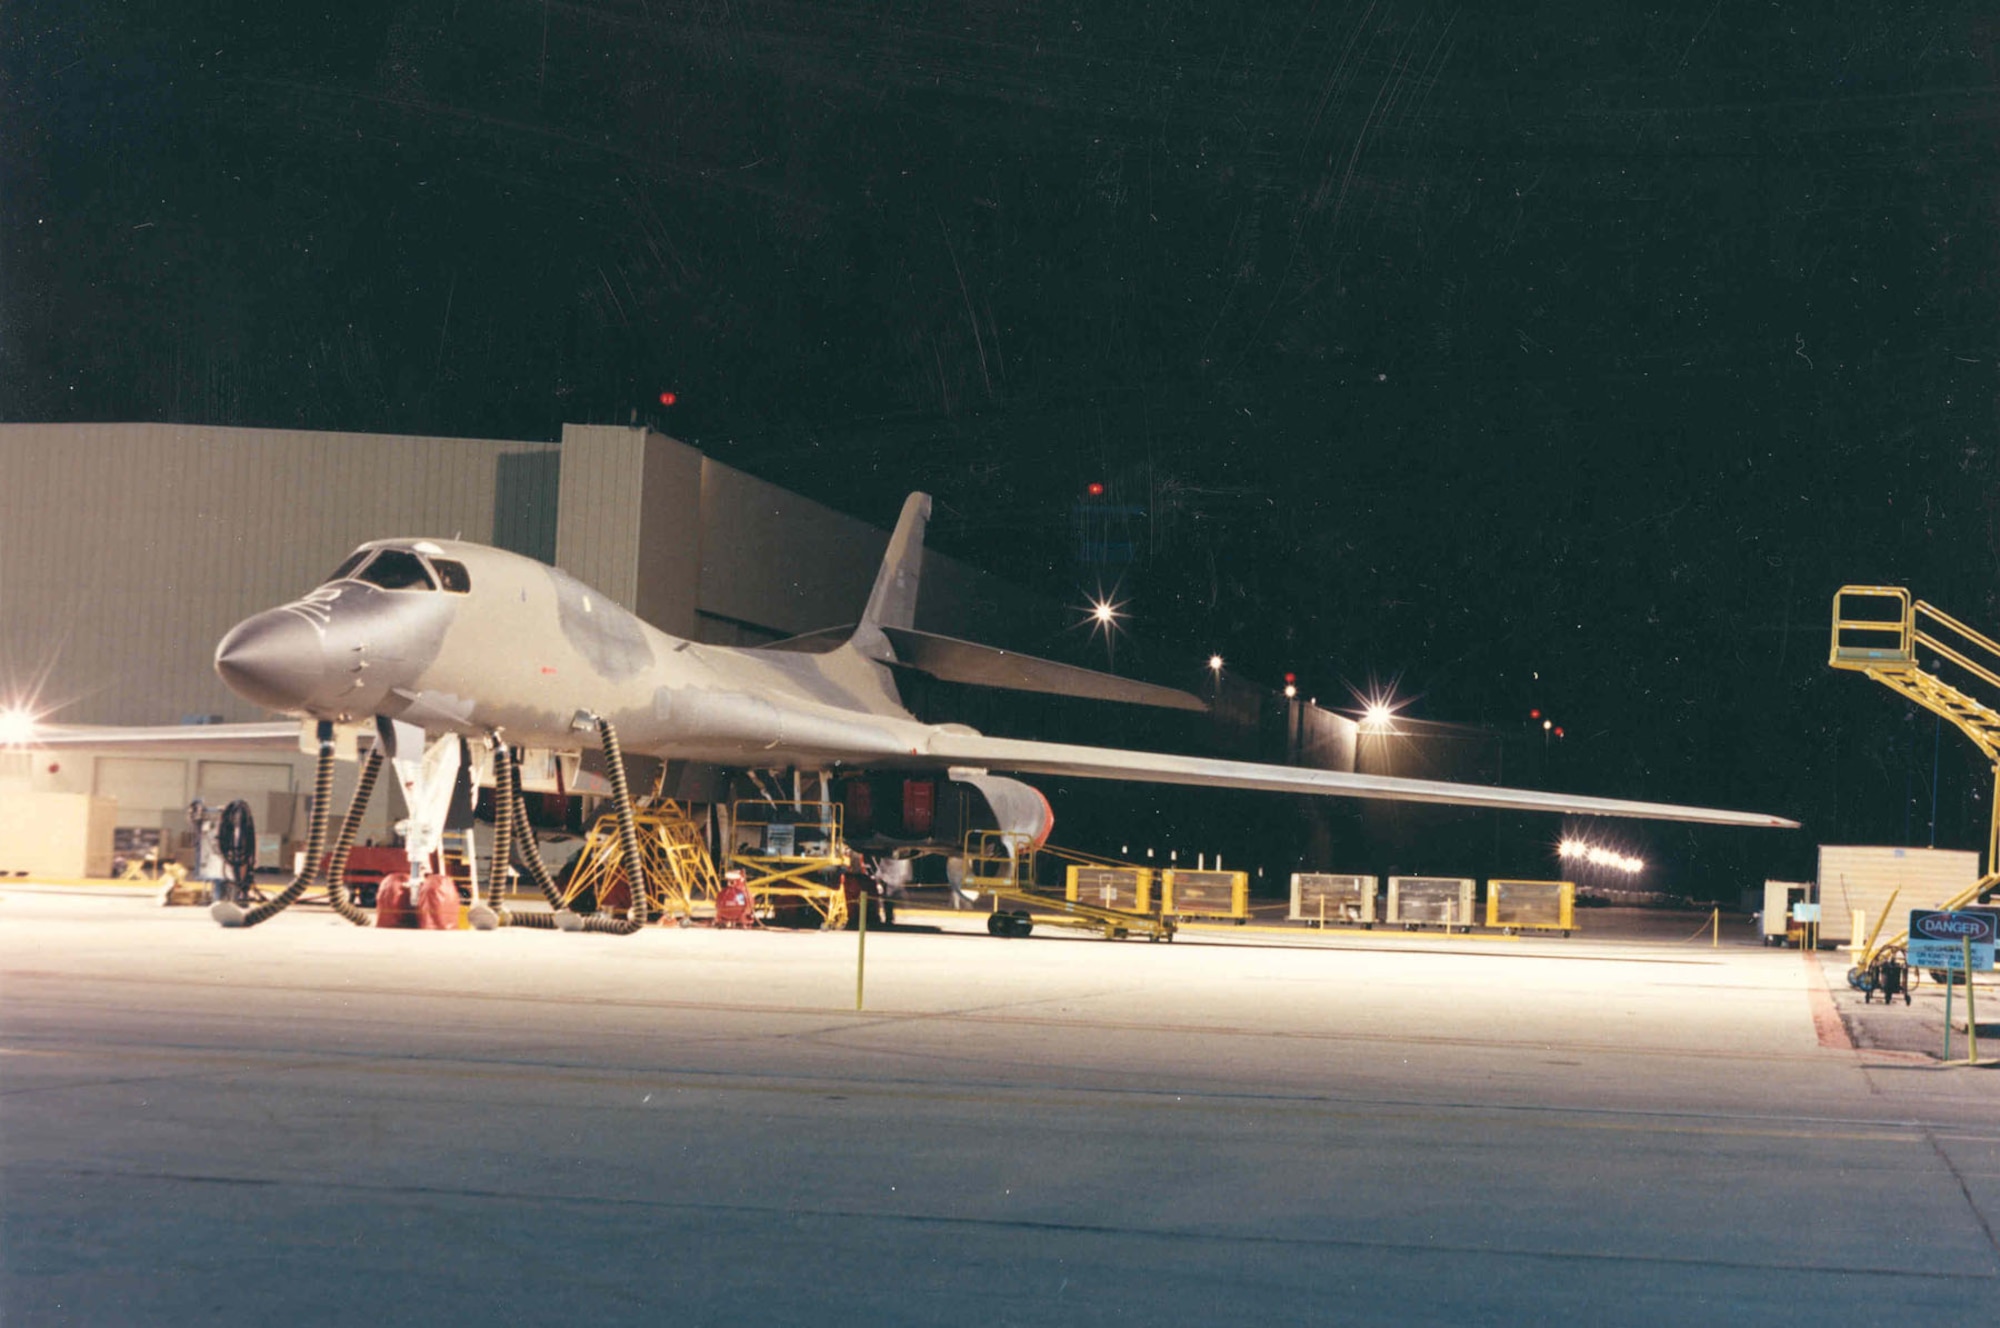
(129, 549)
(600, 506)
(810, 567)
(780, 561)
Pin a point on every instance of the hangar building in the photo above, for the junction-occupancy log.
(129, 549)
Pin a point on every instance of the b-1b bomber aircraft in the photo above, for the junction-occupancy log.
(426, 640)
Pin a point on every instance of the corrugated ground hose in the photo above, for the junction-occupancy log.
(336, 866)
(507, 810)
(531, 857)
(232, 915)
(628, 839)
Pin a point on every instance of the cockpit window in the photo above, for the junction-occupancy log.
(453, 575)
(393, 569)
(346, 569)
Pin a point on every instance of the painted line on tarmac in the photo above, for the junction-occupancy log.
(430, 1194)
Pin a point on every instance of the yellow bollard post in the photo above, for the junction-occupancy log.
(1971, 1009)
(1948, 985)
(1715, 935)
(861, 954)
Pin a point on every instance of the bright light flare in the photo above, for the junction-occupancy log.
(17, 726)
(1600, 857)
(1215, 663)
(1104, 612)
(1378, 710)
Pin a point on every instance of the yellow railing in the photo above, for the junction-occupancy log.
(1857, 641)
(791, 853)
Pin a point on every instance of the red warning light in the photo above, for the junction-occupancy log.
(1559, 731)
(1291, 677)
(668, 398)
(1095, 488)
(1534, 714)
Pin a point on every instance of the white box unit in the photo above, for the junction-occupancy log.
(1431, 901)
(1858, 879)
(56, 836)
(1776, 918)
(1320, 897)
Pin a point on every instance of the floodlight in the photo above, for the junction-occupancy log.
(17, 727)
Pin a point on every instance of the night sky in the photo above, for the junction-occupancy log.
(1567, 357)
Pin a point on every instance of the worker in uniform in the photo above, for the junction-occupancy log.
(862, 890)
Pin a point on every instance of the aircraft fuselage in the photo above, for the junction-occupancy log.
(468, 638)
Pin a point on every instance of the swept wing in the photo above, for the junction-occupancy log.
(1019, 756)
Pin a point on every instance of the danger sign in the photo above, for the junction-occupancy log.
(1938, 938)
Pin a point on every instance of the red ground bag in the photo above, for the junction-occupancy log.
(392, 902)
(437, 904)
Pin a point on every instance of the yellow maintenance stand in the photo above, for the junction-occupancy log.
(1927, 655)
(1002, 864)
(791, 854)
(673, 847)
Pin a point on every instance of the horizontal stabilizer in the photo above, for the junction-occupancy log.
(952, 660)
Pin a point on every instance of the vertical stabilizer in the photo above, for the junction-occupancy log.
(893, 603)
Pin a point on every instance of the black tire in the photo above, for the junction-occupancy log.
(997, 925)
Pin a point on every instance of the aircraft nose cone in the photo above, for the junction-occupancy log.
(275, 659)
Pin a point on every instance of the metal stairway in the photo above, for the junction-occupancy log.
(1925, 654)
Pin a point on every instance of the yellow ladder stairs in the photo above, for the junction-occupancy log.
(1905, 644)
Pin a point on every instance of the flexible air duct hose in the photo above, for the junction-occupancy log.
(531, 856)
(336, 867)
(507, 807)
(628, 839)
(503, 824)
(232, 915)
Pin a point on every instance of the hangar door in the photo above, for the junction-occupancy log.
(144, 787)
(222, 781)
(266, 786)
